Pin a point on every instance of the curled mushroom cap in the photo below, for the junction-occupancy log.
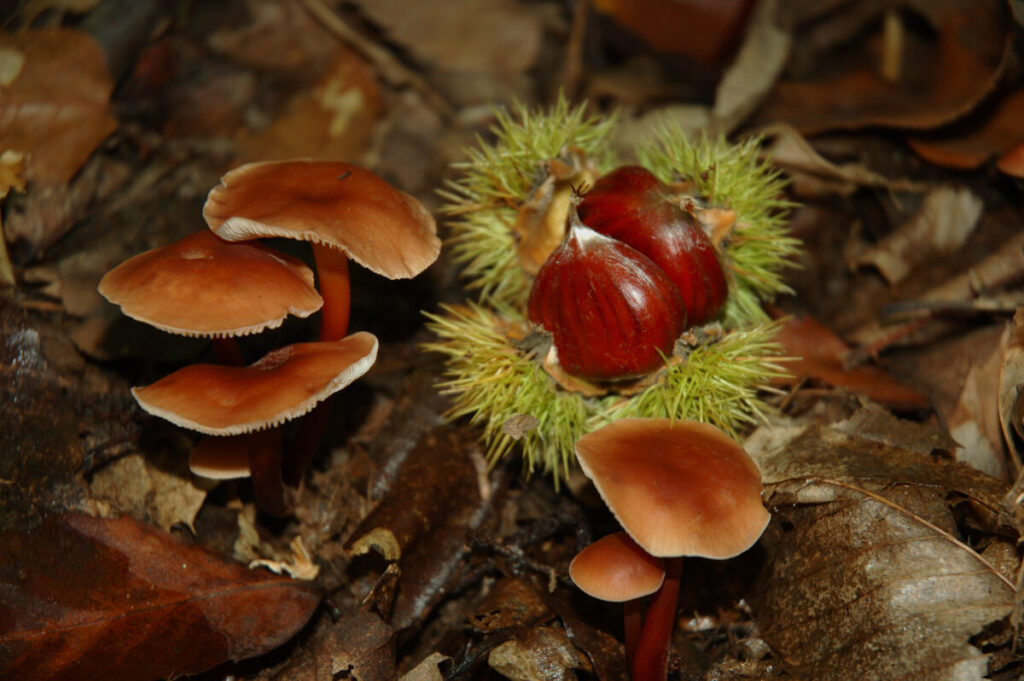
(679, 488)
(615, 568)
(338, 204)
(205, 286)
(285, 384)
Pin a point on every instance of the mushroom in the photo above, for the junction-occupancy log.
(679, 488)
(204, 286)
(616, 569)
(346, 212)
(230, 400)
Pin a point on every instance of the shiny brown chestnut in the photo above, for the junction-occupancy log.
(612, 312)
(633, 206)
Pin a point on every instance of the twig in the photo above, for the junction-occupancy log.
(386, 64)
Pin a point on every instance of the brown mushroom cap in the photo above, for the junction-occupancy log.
(205, 286)
(679, 488)
(338, 204)
(615, 568)
(283, 385)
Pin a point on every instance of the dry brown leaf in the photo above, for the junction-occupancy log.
(814, 175)
(946, 71)
(974, 421)
(497, 36)
(163, 495)
(111, 599)
(12, 176)
(333, 120)
(538, 654)
(941, 226)
(817, 353)
(281, 38)
(754, 70)
(867, 574)
(965, 145)
(427, 669)
(705, 31)
(54, 100)
(1011, 389)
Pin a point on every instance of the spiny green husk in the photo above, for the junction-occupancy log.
(497, 381)
(496, 180)
(493, 380)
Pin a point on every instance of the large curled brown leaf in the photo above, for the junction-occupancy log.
(948, 66)
(867, 575)
(94, 598)
(54, 100)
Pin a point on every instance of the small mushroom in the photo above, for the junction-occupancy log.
(615, 568)
(232, 400)
(679, 488)
(285, 384)
(204, 286)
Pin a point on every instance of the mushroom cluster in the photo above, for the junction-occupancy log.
(678, 488)
(221, 283)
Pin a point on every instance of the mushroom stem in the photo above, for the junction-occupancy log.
(332, 271)
(228, 352)
(650, 662)
(632, 623)
(308, 435)
(265, 469)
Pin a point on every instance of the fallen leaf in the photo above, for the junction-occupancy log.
(974, 421)
(427, 669)
(58, 424)
(755, 69)
(461, 35)
(423, 519)
(364, 646)
(542, 653)
(867, 574)
(91, 598)
(512, 603)
(941, 226)
(946, 72)
(1012, 162)
(1011, 389)
(813, 175)
(997, 270)
(281, 38)
(818, 352)
(12, 172)
(163, 495)
(985, 134)
(705, 31)
(334, 119)
(56, 107)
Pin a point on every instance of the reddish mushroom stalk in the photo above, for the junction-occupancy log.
(650, 659)
(332, 272)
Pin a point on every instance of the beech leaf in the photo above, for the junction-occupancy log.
(54, 100)
(93, 598)
(867, 576)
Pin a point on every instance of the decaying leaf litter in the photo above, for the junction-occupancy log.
(890, 456)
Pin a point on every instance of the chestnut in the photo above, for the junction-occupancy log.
(633, 206)
(613, 314)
